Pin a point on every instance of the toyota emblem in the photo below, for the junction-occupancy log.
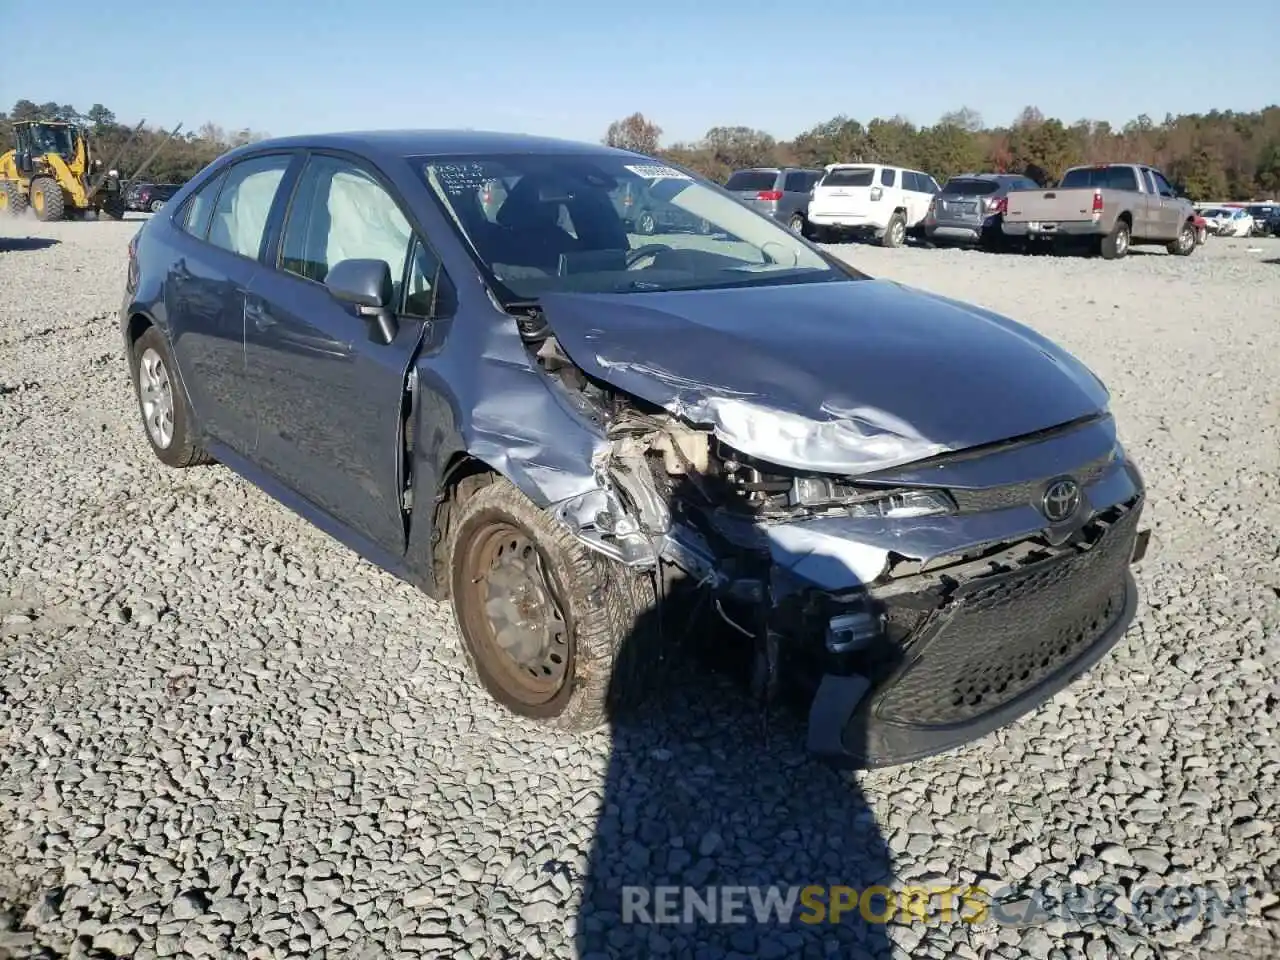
(1061, 498)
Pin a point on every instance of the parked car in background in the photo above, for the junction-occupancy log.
(870, 199)
(923, 506)
(1111, 206)
(149, 196)
(970, 208)
(778, 192)
(1229, 221)
(645, 213)
(1266, 218)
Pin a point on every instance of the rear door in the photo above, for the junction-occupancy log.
(795, 193)
(225, 225)
(330, 396)
(1170, 207)
(919, 189)
(845, 193)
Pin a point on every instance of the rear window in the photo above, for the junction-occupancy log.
(961, 187)
(752, 180)
(849, 177)
(1108, 178)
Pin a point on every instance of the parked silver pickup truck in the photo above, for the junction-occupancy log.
(1111, 205)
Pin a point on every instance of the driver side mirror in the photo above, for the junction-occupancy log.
(366, 285)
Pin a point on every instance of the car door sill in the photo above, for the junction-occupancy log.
(304, 508)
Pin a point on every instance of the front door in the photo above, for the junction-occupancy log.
(329, 396)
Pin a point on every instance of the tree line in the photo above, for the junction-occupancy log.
(1220, 155)
(177, 162)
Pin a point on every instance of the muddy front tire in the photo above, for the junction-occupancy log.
(554, 631)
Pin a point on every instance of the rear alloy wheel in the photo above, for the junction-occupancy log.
(554, 631)
(162, 402)
(156, 206)
(46, 200)
(646, 226)
(1185, 245)
(896, 232)
(1115, 245)
(797, 224)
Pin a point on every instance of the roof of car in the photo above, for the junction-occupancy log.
(415, 143)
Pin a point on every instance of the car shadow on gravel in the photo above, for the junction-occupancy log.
(707, 792)
(25, 244)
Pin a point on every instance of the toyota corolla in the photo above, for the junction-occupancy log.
(913, 508)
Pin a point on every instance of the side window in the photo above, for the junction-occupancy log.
(200, 207)
(796, 182)
(1162, 185)
(887, 176)
(1148, 184)
(340, 212)
(240, 216)
(911, 181)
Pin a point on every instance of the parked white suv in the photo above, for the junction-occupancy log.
(870, 198)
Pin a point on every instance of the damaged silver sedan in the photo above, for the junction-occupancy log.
(446, 350)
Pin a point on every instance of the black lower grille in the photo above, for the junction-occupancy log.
(1001, 636)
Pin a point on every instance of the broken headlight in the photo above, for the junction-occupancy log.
(818, 492)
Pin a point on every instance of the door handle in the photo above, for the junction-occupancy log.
(260, 318)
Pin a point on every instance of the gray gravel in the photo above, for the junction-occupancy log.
(223, 734)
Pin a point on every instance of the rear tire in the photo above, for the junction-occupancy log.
(162, 403)
(1186, 243)
(646, 226)
(895, 232)
(797, 224)
(47, 200)
(1115, 245)
(12, 200)
(519, 574)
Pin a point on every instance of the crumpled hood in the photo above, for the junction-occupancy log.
(841, 377)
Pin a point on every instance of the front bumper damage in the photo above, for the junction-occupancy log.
(911, 636)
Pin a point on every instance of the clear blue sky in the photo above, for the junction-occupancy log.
(569, 67)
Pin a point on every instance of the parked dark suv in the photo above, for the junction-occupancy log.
(913, 506)
(970, 208)
(778, 192)
(149, 196)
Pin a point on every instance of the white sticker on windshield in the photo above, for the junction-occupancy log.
(657, 171)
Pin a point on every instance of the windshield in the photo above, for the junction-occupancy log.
(969, 188)
(598, 223)
(849, 177)
(53, 138)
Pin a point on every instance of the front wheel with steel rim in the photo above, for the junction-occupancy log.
(162, 402)
(1186, 244)
(555, 631)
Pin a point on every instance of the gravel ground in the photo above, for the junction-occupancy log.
(223, 734)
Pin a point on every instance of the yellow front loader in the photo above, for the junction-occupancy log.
(52, 171)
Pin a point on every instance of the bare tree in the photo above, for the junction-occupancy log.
(634, 133)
